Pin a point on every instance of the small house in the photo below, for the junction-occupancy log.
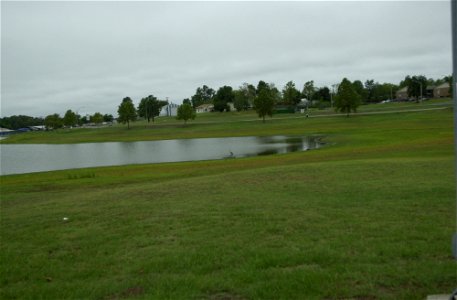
(441, 91)
(402, 93)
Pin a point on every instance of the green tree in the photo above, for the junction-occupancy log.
(417, 86)
(265, 101)
(347, 99)
(143, 109)
(359, 89)
(84, 120)
(203, 95)
(384, 91)
(240, 102)
(323, 94)
(290, 95)
(370, 86)
(260, 86)
(96, 118)
(126, 112)
(53, 121)
(309, 90)
(186, 112)
(20, 121)
(244, 97)
(224, 95)
(150, 107)
(70, 118)
(108, 118)
(277, 96)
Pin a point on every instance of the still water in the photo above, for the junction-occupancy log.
(17, 159)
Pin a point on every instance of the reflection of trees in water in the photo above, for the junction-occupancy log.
(295, 140)
(295, 147)
(268, 152)
(290, 144)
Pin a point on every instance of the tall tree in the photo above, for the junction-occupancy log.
(142, 110)
(203, 95)
(84, 120)
(53, 121)
(126, 112)
(370, 86)
(384, 91)
(96, 118)
(417, 86)
(359, 89)
(70, 118)
(186, 112)
(347, 99)
(308, 90)
(265, 101)
(323, 94)
(224, 95)
(240, 102)
(150, 107)
(290, 95)
(108, 118)
(277, 96)
(260, 86)
(244, 97)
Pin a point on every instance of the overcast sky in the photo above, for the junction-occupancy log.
(87, 56)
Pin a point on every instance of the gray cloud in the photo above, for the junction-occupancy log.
(89, 55)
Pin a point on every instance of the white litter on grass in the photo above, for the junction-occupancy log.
(65, 219)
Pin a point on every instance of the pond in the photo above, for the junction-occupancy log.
(21, 158)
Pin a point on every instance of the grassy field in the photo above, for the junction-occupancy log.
(369, 216)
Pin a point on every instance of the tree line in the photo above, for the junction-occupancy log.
(20, 121)
(54, 121)
(345, 96)
(149, 108)
(369, 91)
(72, 119)
(266, 96)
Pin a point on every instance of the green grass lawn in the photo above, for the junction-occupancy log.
(369, 216)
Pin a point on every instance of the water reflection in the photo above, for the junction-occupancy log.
(35, 158)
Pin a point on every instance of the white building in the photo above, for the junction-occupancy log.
(205, 108)
(169, 110)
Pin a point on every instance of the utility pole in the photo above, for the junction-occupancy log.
(333, 92)
(454, 91)
(331, 98)
(421, 90)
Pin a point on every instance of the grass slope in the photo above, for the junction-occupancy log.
(368, 217)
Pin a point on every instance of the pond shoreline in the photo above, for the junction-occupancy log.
(31, 158)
